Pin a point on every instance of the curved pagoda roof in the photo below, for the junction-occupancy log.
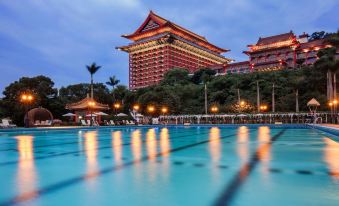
(154, 25)
(84, 104)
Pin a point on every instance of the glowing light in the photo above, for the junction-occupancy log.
(151, 142)
(117, 146)
(117, 105)
(214, 109)
(164, 110)
(215, 144)
(91, 152)
(26, 177)
(136, 107)
(243, 140)
(151, 109)
(136, 144)
(331, 156)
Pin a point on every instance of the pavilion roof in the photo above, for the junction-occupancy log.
(155, 24)
(313, 102)
(275, 38)
(84, 104)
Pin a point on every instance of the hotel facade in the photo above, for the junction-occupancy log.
(159, 45)
(277, 52)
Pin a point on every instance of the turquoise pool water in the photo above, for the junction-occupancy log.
(197, 165)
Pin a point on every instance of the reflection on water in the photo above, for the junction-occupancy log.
(151, 146)
(214, 144)
(331, 157)
(91, 151)
(165, 147)
(243, 140)
(117, 146)
(264, 149)
(136, 144)
(151, 143)
(26, 175)
(164, 142)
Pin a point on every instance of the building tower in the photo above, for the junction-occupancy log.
(160, 45)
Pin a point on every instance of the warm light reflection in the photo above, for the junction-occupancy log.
(165, 147)
(151, 143)
(264, 148)
(215, 144)
(331, 157)
(117, 146)
(243, 140)
(26, 174)
(136, 144)
(91, 152)
(164, 142)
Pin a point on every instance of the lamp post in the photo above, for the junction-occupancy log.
(214, 110)
(26, 99)
(164, 110)
(330, 104)
(116, 107)
(136, 108)
(91, 104)
(241, 105)
(151, 110)
(335, 103)
(263, 108)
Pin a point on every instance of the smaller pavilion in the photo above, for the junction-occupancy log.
(86, 108)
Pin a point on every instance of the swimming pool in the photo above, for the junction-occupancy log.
(173, 165)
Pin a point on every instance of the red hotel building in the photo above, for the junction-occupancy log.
(276, 52)
(160, 45)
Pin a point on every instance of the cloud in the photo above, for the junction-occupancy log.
(59, 37)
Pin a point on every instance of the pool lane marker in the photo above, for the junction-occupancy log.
(231, 189)
(98, 148)
(72, 181)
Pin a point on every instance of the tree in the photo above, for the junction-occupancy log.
(318, 35)
(203, 75)
(42, 89)
(297, 81)
(176, 76)
(113, 81)
(92, 69)
(328, 63)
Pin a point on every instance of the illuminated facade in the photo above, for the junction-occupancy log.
(160, 45)
(275, 53)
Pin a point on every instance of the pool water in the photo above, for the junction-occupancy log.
(196, 165)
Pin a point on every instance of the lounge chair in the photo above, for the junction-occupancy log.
(88, 122)
(6, 124)
(49, 122)
(112, 122)
(131, 122)
(83, 122)
(37, 123)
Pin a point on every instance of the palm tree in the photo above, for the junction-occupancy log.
(113, 81)
(296, 83)
(92, 69)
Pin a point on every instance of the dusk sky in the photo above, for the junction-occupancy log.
(57, 38)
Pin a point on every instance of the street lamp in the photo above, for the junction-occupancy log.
(164, 110)
(26, 99)
(214, 109)
(150, 109)
(91, 104)
(263, 108)
(242, 103)
(136, 107)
